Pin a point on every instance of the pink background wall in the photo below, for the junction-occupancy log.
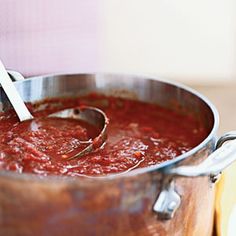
(47, 36)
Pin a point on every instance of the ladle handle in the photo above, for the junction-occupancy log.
(13, 95)
(217, 161)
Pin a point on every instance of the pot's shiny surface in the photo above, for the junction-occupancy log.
(115, 205)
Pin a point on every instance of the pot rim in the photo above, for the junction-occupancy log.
(134, 172)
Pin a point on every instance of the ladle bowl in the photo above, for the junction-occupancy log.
(88, 114)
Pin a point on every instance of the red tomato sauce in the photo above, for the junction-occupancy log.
(139, 134)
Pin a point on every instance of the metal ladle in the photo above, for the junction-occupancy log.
(91, 115)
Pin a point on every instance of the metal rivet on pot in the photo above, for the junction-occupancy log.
(172, 206)
(167, 202)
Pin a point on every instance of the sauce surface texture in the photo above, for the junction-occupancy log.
(139, 134)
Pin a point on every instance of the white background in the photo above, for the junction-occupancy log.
(190, 41)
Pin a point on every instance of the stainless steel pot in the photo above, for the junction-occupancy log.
(173, 198)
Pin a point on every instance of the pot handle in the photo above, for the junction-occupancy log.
(169, 200)
(222, 157)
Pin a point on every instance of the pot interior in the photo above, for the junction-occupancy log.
(167, 94)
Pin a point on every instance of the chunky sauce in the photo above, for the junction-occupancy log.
(139, 135)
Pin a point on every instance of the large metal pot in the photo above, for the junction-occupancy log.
(172, 198)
